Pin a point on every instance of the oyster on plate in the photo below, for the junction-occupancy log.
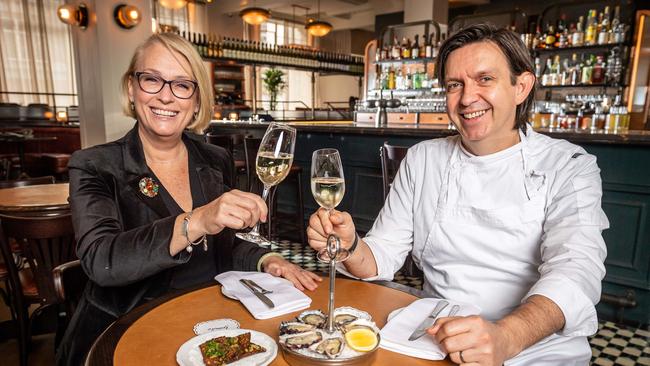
(295, 328)
(331, 347)
(303, 340)
(343, 319)
(313, 317)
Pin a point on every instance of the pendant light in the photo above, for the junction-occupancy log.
(255, 15)
(318, 28)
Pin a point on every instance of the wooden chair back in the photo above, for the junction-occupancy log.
(48, 179)
(46, 242)
(391, 157)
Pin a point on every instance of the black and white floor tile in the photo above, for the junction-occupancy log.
(613, 345)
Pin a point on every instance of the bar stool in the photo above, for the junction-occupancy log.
(297, 220)
(229, 142)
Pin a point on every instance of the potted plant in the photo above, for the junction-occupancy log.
(274, 84)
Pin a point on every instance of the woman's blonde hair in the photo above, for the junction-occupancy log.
(177, 45)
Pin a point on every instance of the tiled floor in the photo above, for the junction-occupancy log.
(613, 345)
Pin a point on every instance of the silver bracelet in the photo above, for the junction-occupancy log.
(185, 230)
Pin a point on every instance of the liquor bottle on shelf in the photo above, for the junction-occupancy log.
(395, 52)
(415, 48)
(598, 71)
(428, 48)
(549, 40)
(603, 34)
(423, 49)
(578, 37)
(590, 31)
(406, 48)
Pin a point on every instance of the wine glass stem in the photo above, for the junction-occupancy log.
(265, 194)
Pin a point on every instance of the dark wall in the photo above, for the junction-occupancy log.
(384, 20)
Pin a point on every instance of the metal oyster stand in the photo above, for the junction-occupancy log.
(335, 254)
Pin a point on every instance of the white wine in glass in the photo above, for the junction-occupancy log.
(272, 165)
(328, 188)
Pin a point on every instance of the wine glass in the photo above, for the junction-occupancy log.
(328, 189)
(273, 162)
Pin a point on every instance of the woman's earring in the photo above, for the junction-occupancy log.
(195, 115)
(132, 106)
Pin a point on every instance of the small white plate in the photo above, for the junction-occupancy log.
(189, 354)
(214, 325)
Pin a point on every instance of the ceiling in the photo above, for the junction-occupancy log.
(342, 14)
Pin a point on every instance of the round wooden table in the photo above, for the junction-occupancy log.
(38, 200)
(152, 333)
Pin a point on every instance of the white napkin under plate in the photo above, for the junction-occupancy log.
(285, 296)
(396, 332)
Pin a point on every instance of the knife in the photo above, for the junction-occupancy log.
(428, 321)
(259, 295)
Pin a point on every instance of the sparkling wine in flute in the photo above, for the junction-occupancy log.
(272, 165)
(328, 191)
(272, 169)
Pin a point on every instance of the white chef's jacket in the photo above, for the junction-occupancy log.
(493, 230)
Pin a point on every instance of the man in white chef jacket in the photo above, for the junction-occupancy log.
(498, 216)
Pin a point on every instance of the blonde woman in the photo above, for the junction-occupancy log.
(153, 211)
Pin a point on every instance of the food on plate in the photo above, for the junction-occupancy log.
(224, 350)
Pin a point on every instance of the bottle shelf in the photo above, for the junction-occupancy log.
(321, 68)
(578, 48)
(407, 61)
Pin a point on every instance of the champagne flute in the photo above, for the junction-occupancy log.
(273, 162)
(328, 189)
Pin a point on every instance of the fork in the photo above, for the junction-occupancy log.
(260, 288)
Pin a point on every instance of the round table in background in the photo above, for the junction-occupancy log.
(38, 200)
(153, 333)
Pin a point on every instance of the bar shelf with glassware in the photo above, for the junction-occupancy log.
(577, 48)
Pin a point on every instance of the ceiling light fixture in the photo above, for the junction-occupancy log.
(318, 28)
(69, 14)
(254, 15)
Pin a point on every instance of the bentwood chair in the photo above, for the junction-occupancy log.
(297, 222)
(69, 283)
(15, 248)
(45, 242)
(391, 156)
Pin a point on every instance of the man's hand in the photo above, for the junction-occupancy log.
(300, 278)
(480, 341)
(322, 224)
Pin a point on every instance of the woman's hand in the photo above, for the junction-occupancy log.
(322, 224)
(280, 267)
(234, 209)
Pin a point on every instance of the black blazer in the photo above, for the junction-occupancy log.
(123, 236)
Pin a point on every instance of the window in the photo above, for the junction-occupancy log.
(297, 94)
(35, 54)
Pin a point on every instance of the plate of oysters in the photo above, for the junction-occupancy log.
(306, 341)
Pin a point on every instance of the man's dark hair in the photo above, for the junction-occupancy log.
(512, 47)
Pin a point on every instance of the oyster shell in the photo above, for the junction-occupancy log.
(313, 317)
(359, 323)
(303, 340)
(343, 319)
(295, 328)
(331, 347)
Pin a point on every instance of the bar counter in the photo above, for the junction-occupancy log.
(633, 137)
(624, 160)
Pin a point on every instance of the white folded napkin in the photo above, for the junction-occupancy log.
(395, 334)
(285, 296)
